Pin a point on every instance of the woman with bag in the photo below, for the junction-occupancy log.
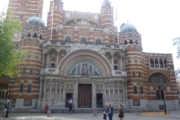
(121, 112)
(46, 107)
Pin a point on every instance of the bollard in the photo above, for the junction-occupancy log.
(95, 112)
(48, 113)
(136, 112)
(168, 111)
(3, 113)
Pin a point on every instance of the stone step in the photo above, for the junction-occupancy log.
(78, 110)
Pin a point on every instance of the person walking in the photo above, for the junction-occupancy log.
(121, 112)
(70, 105)
(46, 107)
(110, 111)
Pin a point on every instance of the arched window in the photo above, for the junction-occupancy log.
(68, 39)
(158, 78)
(152, 63)
(98, 41)
(125, 42)
(131, 42)
(40, 37)
(29, 35)
(83, 40)
(35, 35)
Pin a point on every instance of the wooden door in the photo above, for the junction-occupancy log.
(84, 95)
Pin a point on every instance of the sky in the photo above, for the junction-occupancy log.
(158, 21)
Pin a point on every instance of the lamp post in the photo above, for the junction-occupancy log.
(8, 100)
(164, 100)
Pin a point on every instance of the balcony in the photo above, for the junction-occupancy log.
(119, 73)
(53, 71)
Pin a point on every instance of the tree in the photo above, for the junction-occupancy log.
(176, 42)
(9, 58)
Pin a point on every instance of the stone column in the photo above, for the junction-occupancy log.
(50, 88)
(44, 88)
(118, 91)
(112, 60)
(43, 61)
(154, 62)
(75, 94)
(109, 90)
(40, 89)
(56, 89)
(94, 95)
(125, 85)
(159, 63)
(123, 91)
(113, 92)
(47, 65)
(59, 90)
(121, 64)
(57, 60)
(163, 63)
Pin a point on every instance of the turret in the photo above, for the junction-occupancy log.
(107, 20)
(55, 17)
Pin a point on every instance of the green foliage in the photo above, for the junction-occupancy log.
(176, 42)
(9, 59)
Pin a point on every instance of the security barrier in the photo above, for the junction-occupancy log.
(155, 114)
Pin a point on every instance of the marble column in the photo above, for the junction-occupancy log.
(159, 63)
(121, 64)
(44, 88)
(123, 90)
(59, 90)
(112, 60)
(154, 62)
(75, 94)
(43, 61)
(163, 63)
(113, 92)
(47, 65)
(109, 90)
(56, 89)
(40, 89)
(94, 95)
(50, 89)
(118, 91)
(57, 60)
(125, 85)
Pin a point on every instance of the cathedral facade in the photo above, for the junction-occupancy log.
(82, 56)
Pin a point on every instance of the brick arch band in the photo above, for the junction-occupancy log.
(87, 56)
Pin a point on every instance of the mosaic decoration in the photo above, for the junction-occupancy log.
(84, 68)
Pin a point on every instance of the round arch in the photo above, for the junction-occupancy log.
(158, 78)
(85, 56)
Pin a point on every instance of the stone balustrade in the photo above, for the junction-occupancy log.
(49, 71)
(119, 73)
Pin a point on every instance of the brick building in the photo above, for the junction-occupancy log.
(81, 56)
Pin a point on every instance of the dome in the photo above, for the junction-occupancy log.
(127, 28)
(35, 21)
(106, 3)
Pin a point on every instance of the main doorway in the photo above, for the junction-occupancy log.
(84, 95)
(68, 96)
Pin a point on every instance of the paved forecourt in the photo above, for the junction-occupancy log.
(87, 116)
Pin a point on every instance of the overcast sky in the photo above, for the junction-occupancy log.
(158, 21)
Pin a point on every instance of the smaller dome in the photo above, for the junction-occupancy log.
(35, 21)
(106, 3)
(127, 28)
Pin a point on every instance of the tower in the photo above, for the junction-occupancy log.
(55, 17)
(26, 88)
(131, 39)
(24, 9)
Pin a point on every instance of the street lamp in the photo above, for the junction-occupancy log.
(8, 100)
(164, 100)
